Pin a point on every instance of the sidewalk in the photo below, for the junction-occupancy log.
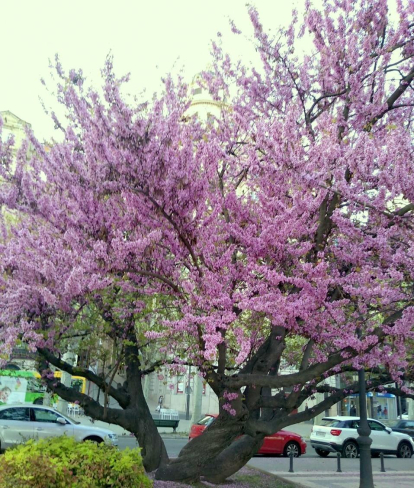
(401, 479)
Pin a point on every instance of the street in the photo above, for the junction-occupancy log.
(310, 462)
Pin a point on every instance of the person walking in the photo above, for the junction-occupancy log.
(379, 411)
(159, 406)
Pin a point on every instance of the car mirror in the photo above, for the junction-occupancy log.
(388, 429)
(61, 420)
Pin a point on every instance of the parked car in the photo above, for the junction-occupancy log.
(404, 426)
(282, 442)
(20, 422)
(339, 434)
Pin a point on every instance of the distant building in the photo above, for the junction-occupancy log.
(13, 125)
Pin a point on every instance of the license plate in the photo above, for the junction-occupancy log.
(320, 434)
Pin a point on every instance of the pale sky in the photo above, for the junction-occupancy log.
(147, 38)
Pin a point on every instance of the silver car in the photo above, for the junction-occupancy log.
(21, 422)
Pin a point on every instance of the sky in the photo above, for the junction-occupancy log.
(147, 39)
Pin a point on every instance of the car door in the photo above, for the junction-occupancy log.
(409, 427)
(46, 423)
(273, 444)
(15, 426)
(381, 439)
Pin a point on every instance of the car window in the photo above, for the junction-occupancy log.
(409, 424)
(354, 424)
(375, 425)
(15, 414)
(41, 415)
(207, 420)
(334, 423)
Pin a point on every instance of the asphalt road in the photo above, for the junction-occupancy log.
(310, 462)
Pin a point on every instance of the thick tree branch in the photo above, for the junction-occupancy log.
(121, 397)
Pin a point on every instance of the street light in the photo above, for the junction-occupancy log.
(364, 440)
(188, 392)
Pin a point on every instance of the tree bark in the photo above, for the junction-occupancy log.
(232, 459)
(199, 452)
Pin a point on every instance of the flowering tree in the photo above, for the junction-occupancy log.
(287, 219)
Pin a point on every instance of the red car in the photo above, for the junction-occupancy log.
(283, 442)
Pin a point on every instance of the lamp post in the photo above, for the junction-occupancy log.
(364, 440)
(188, 391)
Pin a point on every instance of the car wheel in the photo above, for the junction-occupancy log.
(350, 450)
(404, 450)
(291, 448)
(322, 453)
(38, 401)
(94, 438)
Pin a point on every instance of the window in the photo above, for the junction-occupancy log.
(335, 423)
(21, 414)
(375, 425)
(180, 384)
(45, 415)
(207, 420)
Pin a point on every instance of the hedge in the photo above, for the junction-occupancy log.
(62, 462)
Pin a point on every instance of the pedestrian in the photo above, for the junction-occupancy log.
(385, 412)
(159, 406)
(353, 410)
(379, 411)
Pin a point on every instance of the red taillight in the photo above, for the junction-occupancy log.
(336, 432)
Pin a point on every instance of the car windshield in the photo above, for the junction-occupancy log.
(207, 420)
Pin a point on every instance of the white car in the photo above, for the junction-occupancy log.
(339, 434)
(23, 421)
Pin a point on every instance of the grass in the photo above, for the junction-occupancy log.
(258, 479)
(247, 477)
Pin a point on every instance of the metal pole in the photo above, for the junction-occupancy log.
(399, 410)
(291, 463)
(382, 462)
(338, 457)
(187, 410)
(364, 440)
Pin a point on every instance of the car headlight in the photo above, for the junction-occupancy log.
(113, 437)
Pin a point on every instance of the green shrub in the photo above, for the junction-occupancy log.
(61, 462)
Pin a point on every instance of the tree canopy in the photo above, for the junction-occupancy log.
(287, 218)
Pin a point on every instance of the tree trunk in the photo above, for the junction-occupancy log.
(153, 451)
(196, 455)
(232, 459)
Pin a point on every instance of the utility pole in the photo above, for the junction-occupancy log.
(198, 399)
(66, 379)
(364, 440)
(188, 391)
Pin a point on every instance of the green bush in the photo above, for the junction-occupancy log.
(61, 462)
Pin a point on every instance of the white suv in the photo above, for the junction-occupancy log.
(23, 421)
(339, 434)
